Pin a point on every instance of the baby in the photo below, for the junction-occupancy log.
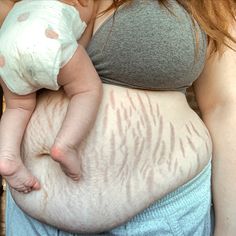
(39, 49)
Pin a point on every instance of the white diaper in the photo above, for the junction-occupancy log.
(37, 38)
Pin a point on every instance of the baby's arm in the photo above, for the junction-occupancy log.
(13, 123)
(84, 88)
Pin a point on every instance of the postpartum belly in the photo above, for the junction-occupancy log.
(142, 146)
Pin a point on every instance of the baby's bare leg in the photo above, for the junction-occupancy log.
(12, 127)
(83, 86)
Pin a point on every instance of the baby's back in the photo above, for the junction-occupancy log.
(36, 39)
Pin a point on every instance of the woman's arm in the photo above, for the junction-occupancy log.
(216, 95)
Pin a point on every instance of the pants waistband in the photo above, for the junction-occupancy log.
(196, 190)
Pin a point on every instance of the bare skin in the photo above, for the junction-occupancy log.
(128, 159)
(11, 165)
(215, 90)
(143, 146)
(216, 97)
(83, 87)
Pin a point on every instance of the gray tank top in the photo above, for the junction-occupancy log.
(145, 46)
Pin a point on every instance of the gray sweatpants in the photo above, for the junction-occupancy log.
(184, 212)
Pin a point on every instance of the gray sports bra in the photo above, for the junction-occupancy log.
(145, 46)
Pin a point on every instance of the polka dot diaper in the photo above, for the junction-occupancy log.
(37, 38)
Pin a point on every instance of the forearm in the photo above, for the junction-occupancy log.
(221, 124)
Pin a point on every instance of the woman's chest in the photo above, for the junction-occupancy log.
(146, 46)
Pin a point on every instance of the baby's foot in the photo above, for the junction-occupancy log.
(17, 176)
(68, 159)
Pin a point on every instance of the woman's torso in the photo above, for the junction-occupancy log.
(143, 145)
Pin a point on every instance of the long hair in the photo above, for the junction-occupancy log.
(214, 17)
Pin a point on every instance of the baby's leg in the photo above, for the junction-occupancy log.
(83, 86)
(12, 127)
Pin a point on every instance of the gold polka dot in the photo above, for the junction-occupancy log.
(23, 17)
(2, 61)
(51, 34)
